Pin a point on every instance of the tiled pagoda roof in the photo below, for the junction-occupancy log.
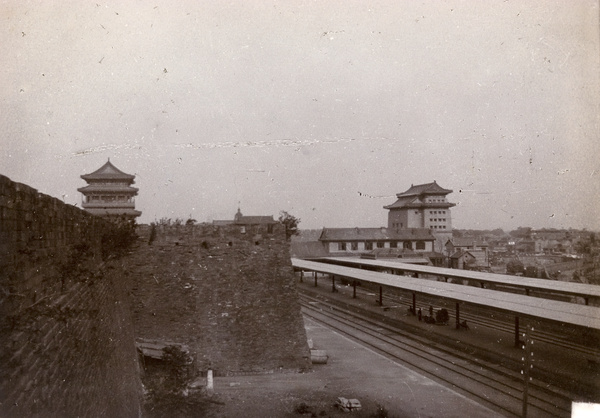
(420, 189)
(115, 188)
(412, 198)
(108, 172)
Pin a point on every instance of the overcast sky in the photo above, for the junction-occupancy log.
(325, 109)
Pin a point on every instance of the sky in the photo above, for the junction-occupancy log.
(324, 109)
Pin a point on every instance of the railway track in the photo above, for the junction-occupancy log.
(493, 386)
(487, 320)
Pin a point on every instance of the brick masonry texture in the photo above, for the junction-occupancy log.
(67, 345)
(69, 318)
(229, 295)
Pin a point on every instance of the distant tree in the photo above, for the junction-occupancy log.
(190, 221)
(290, 222)
(584, 246)
(164, 221)
(119, 237)
(152, 233)
(521, 232)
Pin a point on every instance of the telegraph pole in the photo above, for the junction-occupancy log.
(527, 365)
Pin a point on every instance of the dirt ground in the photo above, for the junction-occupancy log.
(383, 387)
(283, 400)
(263, 401)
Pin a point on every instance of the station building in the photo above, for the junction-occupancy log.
(359, 240)
(423, 206)
(418, 221)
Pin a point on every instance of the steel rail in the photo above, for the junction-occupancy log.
(428, 358)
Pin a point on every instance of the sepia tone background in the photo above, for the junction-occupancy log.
(323, 109)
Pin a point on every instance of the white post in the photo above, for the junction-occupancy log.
(209, 382)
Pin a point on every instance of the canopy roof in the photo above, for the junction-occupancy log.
(528, 306)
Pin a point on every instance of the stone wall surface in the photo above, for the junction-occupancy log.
(67, 346)
(229, 295)
(70, 316)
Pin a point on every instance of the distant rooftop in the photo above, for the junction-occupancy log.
(375, 234)
(466, 242)
(412, 198)
(428, 188)
(240, 219)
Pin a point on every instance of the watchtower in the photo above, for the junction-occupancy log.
(109, 193)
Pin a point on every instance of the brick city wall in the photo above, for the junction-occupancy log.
(229, 295)
(67, 346)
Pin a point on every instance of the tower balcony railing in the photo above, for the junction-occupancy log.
(117, 205)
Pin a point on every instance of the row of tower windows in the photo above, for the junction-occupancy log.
(97, 198)
(110, 182)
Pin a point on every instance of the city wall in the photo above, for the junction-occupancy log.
(67, 344)
(226, 292)
(70, 315)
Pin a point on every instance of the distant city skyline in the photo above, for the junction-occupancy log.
(324, 110)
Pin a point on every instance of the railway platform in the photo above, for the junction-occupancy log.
(574, 369)
(352, 371)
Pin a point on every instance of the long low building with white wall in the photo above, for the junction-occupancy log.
(360, 240)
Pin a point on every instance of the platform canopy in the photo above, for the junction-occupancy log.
(564, 288)
(519, 305)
